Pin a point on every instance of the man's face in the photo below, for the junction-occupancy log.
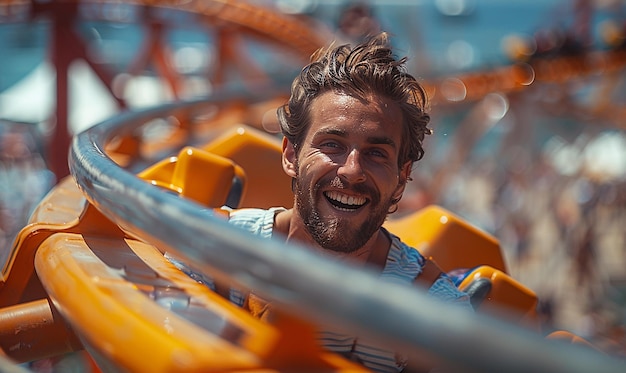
(346, 169)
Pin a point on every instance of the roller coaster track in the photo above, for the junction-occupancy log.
(231, 21)
(271, 25)
(472, 86)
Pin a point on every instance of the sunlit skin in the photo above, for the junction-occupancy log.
(346, 174)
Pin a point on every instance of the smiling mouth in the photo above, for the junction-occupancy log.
(344, 202)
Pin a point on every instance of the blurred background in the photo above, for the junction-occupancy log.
(528, 114)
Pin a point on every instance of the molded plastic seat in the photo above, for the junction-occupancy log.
(260, 155)
(569, 337)
(206, 178)
(456, 246)
(449, 240)
(491, 289)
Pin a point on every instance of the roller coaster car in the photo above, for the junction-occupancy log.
(96, 287)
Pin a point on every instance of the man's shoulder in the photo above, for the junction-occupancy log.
(404, 263)
(255, 220)
(410, 262)
(404, 252)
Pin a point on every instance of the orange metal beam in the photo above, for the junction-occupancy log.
(35, 330)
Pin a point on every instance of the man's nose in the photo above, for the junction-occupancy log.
(351, 170)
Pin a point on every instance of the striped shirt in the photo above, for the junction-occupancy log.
(403, 265)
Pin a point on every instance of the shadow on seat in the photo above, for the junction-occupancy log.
(260, 155)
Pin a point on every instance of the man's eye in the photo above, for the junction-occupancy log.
(378, 153)
(329, 144)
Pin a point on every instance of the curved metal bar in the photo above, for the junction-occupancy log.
(353, 300)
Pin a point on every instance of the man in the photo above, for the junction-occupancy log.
(353, 127)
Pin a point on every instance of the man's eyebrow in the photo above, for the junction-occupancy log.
(336, 132)
(381, 140)
(377, 140)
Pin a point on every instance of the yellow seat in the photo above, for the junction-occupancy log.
(493, 291)
(161, 171)
(206, 178)
(569, 337)
(260, 155)
(457, 246)
(449, 240)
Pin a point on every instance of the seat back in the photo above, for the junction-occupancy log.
(260, 155)
(569, 337)
(492, 290)
(452, 242)
(206, 178)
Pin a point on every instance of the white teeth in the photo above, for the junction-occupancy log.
(346, 200)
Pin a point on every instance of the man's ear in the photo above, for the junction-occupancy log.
(289, 158)
(405, 173)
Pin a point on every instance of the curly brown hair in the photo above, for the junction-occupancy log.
(366, 69)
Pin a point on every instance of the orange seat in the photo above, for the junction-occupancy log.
(492, 290)
(455, 245)
(449, 240)
(260, 155)
(206, 178)
(161, 171)
(569, 337)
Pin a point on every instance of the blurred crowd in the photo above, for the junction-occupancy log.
(24, 179)
(563, 236)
